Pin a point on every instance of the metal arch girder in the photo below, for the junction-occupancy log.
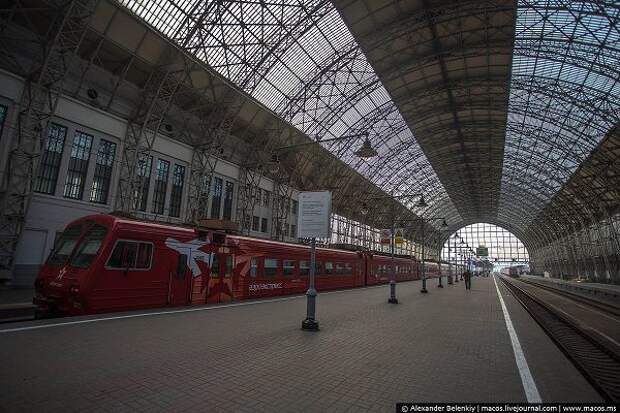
(459, 85)
(586, 98)
(579, 54)
(323, 74)
(38, 103)
(444, 13)
(541, 132)
(277, 44)
(579, 192)
(143, 127)
(216, 127)
(399, 69)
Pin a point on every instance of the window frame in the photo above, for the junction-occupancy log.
(258, 273)
(44, 163)
(294, 272)
(228, 196)
(277, 267)
(175, 203)
(107, 261)
(160, 187)
(75, 166)
(107, 177)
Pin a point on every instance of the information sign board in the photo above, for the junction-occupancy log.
(482, 251)
(314, 212)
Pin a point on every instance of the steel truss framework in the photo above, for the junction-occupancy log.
(512, 104)
(69, 22)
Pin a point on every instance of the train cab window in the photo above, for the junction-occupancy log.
(304, 268)
(271, 267)
(89, 246)
(253, 267)
(329, 268)
(65, 245)
(229, 266)
(288, 267)
(215, 266)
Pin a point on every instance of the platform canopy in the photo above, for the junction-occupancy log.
(491, 109)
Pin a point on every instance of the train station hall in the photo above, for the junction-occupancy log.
(310, 206)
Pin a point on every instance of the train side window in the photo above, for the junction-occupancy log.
(329, 268)
(348, 268)
(339, 268)
(289, 267)
(304, 268)
(253, 267)
(181, 266)
(215, 266)
(123, 256)
(229, 266)
(271, 267)
(145, 252)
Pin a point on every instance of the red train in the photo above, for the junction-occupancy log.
(104, 263)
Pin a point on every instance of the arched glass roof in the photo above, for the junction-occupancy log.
(564, 97)
(300, 60)
(505, 102)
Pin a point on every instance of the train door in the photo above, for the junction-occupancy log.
(180, 274)
(221, 279)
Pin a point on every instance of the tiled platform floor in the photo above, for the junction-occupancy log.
(448, 345)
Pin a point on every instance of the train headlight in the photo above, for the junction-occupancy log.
(74, 290)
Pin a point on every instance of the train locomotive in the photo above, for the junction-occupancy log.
(105, 263)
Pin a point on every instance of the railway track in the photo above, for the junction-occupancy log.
(592, 302)
(598, 361)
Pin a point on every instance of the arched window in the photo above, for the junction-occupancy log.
(485, 244)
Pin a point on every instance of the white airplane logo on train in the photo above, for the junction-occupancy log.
(194, 246)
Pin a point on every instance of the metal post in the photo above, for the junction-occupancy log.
(440, 285)
(393, 299)
(456, 259)
(310, 322)
(449, 265)
(423, 290)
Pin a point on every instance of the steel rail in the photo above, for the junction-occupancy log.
(592, 302)
(598, 363)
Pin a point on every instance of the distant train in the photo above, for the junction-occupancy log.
(103, 263)
(515, 270)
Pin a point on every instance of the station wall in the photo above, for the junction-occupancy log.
(79, 171)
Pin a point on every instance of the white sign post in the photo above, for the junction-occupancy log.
(313, 222)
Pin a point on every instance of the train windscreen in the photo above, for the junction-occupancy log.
(65, 245)
(89, 246)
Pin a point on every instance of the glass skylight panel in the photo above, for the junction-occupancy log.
(310, 71)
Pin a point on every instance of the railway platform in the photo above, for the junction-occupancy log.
(448, 345)
(605, 292)
(16, 304)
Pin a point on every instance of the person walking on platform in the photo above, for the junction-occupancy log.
(467, 276)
